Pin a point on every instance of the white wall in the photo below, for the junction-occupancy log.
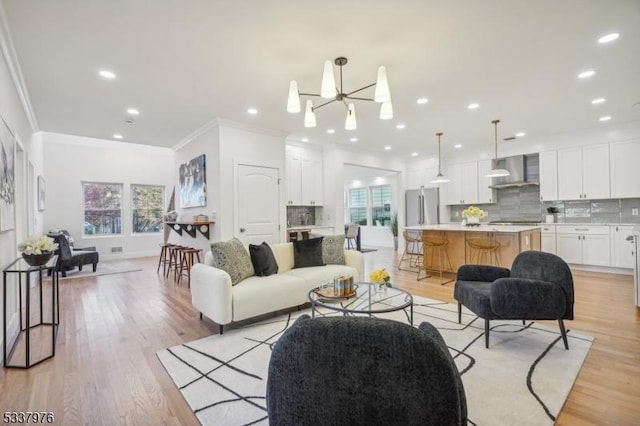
(226, 145)
(71, 160)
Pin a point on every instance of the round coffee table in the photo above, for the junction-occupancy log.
(366, 301)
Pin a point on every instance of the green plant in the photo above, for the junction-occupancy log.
(394, 225)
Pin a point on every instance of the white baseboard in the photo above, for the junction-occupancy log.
(123, 256)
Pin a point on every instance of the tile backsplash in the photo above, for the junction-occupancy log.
(301, 216)
(524, 204)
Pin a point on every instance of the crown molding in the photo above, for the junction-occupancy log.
(220, 122)
(11, 59)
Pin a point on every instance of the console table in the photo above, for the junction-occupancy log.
(23, 272)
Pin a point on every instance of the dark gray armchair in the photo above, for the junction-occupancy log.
(539, 286)
(70, 258)
(363, 371)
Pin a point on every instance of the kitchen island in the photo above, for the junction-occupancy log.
(513, 240)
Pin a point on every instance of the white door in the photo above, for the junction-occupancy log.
(595, 250)
(257, 205)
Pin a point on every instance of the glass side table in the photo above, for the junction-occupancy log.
(15, 275)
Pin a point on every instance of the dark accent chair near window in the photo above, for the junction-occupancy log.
(70, 258)
(539, 286)
(363, 371)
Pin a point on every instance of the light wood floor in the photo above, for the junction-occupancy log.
(105, 371)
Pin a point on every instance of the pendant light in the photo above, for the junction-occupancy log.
(350, 123)
(293, 101)
(309, 115)
(440, 178)
(328, 87)
(496, 171)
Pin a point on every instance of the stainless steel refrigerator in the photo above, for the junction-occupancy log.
(422, 206)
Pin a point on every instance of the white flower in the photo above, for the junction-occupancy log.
(37, 245)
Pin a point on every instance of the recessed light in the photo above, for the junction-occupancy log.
(354, 139)
(422, 101)
(400, 126)
(252, 111)
(586, 74)
(305, 139)
(117, 136)
(605, 118)
(609, 37)
(520, 134)
(387, 148)
(107, 74)
(473, 105)
(331, 131)
(598, 101)
(133, 111)
(414, 154)
(458, 145)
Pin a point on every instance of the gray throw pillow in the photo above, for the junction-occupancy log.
(333, 249)
(307, 253)
(232, 257)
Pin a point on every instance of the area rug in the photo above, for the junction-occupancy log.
(103, 268)
(523, 378)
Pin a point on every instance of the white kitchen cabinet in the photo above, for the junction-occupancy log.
(584, 244)
(621, 249)
(304, 184)
(422, 177)
(625, 173)
(486, 195)
(583, 172)
(463, 188)
(548, 176)
(548, 238)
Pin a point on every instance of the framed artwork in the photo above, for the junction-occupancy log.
(42, 192)
(7, 178)
(193, 183)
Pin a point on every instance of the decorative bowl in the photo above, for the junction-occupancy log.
(37, 259)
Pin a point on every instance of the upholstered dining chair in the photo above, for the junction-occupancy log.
(539, 286)
(363, 371)
(352, 234)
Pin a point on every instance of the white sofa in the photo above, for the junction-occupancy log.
(213, 295)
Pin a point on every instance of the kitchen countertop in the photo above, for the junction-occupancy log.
(481, 228)
(300, 227)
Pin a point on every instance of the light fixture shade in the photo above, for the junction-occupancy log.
(497, 173)
(382, 93)
(328, 88)
(386, 110)
(309, 115)
(293, 103)
(350, 123)
(440, 178)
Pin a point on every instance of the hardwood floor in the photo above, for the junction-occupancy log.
(105, 371)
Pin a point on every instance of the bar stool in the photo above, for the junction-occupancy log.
(188, 256)
(164, 257)
(293, 236)
(484, 248)
(174, 260)
(412, 254)
(439, 245)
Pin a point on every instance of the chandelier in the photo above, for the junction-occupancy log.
(329, 90)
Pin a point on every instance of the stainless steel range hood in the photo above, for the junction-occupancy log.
(517, 167)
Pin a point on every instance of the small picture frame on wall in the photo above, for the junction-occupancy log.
(41, 193)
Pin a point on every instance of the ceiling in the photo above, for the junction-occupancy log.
(184, 62)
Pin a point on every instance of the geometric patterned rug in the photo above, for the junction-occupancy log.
(523, 378)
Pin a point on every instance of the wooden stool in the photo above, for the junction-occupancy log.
(485, 248)
(188, 258)
(164, 257)
(174, 260)
(293, 236)
(439, 245)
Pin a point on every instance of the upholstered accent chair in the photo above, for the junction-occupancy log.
(363, 371)
(70, 258)
(539, 286)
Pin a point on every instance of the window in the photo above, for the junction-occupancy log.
(147, 203)
(358, 206)
(102, 208)
(381, 205)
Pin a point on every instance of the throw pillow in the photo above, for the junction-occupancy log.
(307, 253)
(232, 257)
(333, 249)
(264, 262)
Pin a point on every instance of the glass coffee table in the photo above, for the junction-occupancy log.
(366, 300)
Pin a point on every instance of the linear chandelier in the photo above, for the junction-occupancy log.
(329, 90)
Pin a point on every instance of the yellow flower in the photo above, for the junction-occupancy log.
(473, 211)
(380, 276)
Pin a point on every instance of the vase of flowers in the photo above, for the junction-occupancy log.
(472, 215)
(381, 279)
(37, 250)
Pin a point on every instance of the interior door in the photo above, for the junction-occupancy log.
(257, 204)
